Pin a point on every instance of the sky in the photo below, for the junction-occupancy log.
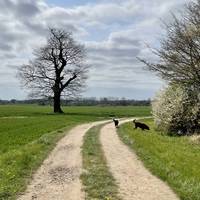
(114, 33)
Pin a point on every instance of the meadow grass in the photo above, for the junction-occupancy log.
(97, 179)
(173, 159)
(95, 111)
(25, 142)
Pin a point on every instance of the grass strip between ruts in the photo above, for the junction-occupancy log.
(97, 179)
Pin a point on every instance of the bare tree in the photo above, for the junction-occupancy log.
(58, 68)
(179, 54)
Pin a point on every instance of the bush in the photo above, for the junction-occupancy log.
(176, 110)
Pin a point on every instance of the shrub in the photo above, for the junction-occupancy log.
(176, 110)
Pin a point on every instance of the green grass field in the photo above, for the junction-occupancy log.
(95, 111)
(29, 132)
(173, 159)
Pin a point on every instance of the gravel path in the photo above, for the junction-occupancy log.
(58, 177)
(135, 182)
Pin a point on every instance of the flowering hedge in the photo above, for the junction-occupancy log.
(176, 110)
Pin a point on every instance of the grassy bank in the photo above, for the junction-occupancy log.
(97, 180)
(173, 159)
(29, 132)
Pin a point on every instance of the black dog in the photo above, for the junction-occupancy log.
(140, 125)
(116, 122)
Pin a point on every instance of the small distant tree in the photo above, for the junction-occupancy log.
(58, 68)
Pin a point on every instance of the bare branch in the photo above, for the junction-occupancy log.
(179, 54)
(58, 68)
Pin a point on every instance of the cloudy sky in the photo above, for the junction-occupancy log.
(114, 32)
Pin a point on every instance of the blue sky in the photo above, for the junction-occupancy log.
(114, 33)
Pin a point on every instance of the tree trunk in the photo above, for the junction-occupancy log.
(57, 107)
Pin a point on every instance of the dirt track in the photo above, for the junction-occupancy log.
(135, 182)
(58, 177)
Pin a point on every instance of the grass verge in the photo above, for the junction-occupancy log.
(97, 180)
(173, 159)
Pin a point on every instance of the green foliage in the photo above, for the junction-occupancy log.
(174, 159)
(177, 110)
(98, 181)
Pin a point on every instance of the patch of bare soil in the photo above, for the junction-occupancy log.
(58, 177)
(135, 181)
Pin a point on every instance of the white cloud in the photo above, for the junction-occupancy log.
(114, 32)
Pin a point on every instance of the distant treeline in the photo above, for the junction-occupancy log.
(106, 101)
